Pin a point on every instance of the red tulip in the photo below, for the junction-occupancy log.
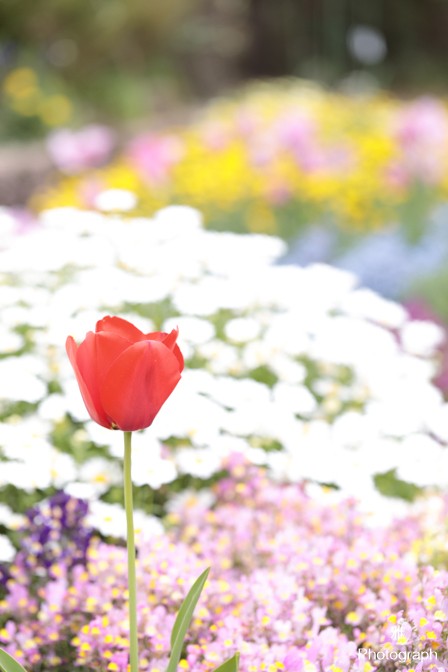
(125, 376)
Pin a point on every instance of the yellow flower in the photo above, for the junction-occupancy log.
(20, 83)
(55, 110)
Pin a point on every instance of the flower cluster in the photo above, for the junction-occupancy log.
(52, 532)
(55, 531)
(74, 151)
(278, 154)
(296, 368)
(298, 584)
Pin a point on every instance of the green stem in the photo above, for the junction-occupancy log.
(132, 586)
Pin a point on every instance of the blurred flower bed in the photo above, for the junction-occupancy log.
(358, 182)
(303, 584)
(297, 369)
(411, 269)
(275, 157)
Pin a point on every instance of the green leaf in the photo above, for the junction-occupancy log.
(9, 664)
(182, 622)
(230, 665)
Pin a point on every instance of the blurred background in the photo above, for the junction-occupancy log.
(120, 60)
(321, 121)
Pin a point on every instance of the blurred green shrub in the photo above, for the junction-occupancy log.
(67, 62)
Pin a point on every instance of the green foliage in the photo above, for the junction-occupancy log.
(415, 210)
(9, 664)
(183, 621)
(389, 485)
(109, 59)
(20, 500)
(263, 375)
(10, 409)
(105, 32)
(230, 665)
(434, 290)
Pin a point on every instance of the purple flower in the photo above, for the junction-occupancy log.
(55, 531)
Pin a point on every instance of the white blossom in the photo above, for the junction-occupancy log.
(7, 550)
(348, 392)
(421, 337)
(242, 329)
(10, 519)
(100, 473)
(116, 199)
(201, 462)
(191, 329)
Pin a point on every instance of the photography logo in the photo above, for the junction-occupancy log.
(400, 647)
(398, 634)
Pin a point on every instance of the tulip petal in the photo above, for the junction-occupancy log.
(138, 384)
(96, 412)
(169, 339)
(121, 327)
(170, 342)
(96, 354)
(156, 335)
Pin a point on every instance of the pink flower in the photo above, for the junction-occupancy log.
(421, 131)
(297, 133)
(154, 155)
(423, 122)
(74, 151)
(293, 661)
